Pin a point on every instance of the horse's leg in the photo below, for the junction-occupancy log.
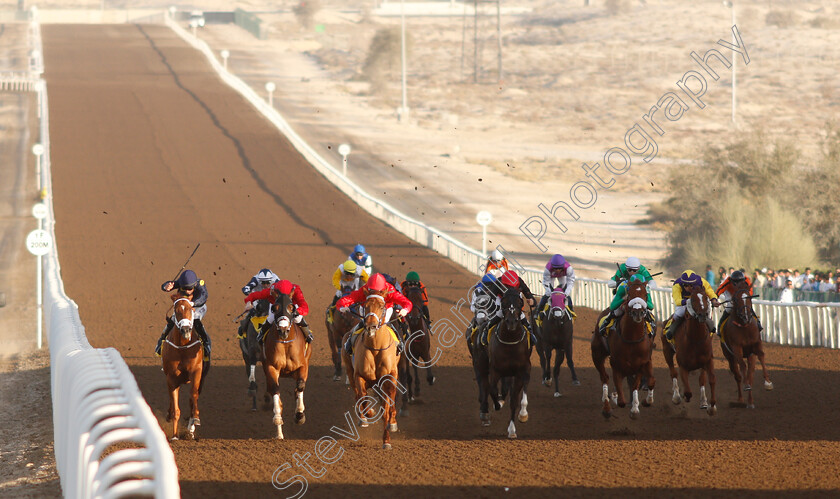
(618, 379)
(668, 353)
(545, 363)
(523, 400)
(598, 360)
(195, 380)
(558, 361)
(684, 378)
(335, 351)
(750, 373)
(493, 388)
(515, 397)
(272, 387)
(174, 410)
(759, 353)
(710, 369)
(483, 392)
(390, 419)
(362, 410)
(427, 360)
(736, 366)
(651, 381)
(416, 379)
(634, 394)
(300, 385)
(568, 349)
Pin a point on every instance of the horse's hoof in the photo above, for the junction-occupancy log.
(712, 410)
(557, 394)
(575, 382)
(393, 427)
(523, 418)
(300, 418)
(386, 446)
(501, 404)
(432, 380)
(634, 415)
(174, 437)
(546, 381)
(703, 407)
(676, 399)
(511, 436)
(404, 413)
(197, 422)
(747, 388)
(606, 414)
(336, 378)
(750, 406)
(768, 385)
(645, 403)
(363, 423)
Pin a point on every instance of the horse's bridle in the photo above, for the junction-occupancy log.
(515, 309)
(184, 323)
(380, 319)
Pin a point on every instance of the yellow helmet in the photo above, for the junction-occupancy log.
(350, 266)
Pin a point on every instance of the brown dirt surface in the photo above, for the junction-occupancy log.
(152, 154)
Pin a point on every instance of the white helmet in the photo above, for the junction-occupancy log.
(633, 263)
(496, 256)
(265, 276)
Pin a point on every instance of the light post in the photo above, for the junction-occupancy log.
(344, 150)
(484, 218)
(225, 54)
(38, 151)
(731, 5)
(270, 87)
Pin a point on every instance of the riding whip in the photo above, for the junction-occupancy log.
(188, 261)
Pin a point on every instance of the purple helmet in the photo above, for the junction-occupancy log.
(557, 262)
(690, 278)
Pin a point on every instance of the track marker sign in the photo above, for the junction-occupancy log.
(39, 242)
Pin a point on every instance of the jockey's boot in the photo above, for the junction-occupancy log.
(723, 317)
(675, 323)
(242, 332)
(758, 322)
(652, 321)
(303, 325)
(264, 327)
(427, 316)
(487, 327)
(169, 326)
(527, 326)
(348, 345)
(602, 328)
(205, 339)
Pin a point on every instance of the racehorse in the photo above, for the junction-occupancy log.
(556, 335)
(509, 354)
(286, 355)
(417, 346)
(338, 324)
(740, 339)
(250, 347)
(630, 352)
(693, 344)
(183, 363)
(374, 366)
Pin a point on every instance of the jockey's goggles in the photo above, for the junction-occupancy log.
(349, 274)
(630, 269)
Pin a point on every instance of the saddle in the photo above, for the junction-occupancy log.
(485, 340)
(257, 321)
(612, 325)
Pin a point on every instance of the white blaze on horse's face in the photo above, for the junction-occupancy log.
(185, 323)
(371, 329)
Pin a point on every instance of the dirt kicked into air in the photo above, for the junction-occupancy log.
(152, 154)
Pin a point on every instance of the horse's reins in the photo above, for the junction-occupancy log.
(499, 336)
(181, 347)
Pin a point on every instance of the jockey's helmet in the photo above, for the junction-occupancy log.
(496, 256)
(187, 280)
(737, 276)
(349, 267)
(283, 286)
(689, 277)
(376, 282)
(558, 262)
(359, 249)
(632, 264)
(412, 277)
(265, 276)
(488, 278)
(510, 279)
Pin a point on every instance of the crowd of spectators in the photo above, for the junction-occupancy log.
(787, 285)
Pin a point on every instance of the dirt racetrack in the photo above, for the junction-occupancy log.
(153, 154)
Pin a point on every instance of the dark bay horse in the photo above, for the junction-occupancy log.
(183, 357)
(509, 354)
(417, 346)
(630, 352)
(556, 335)
(286, 355)
(740, 339)
(374, 366)
(338, 325)
(693, 344)
(250, 347)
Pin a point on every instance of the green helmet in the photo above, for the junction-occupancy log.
(412, 277)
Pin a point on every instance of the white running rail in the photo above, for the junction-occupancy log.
(805, 324)
(95, 399)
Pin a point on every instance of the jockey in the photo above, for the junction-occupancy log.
(726, 291)
(189, 286)
(271, 294)
(348, 277)
(557, 268)
(361, 258)
(482, 300)
(392, 281)
(626, 270)
(261, 280)
(496, 264)
(412, 279)
(510, 279)
(615, 306)
(375, 285)
(681, 296)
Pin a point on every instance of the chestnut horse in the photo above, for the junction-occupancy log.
(338, 325)
(740, 339)
(509, 354)
(374, 366)
(556, 335)
(693, 345)
(286, 355)
(417, 345)
(183, 357)
(630, 352)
